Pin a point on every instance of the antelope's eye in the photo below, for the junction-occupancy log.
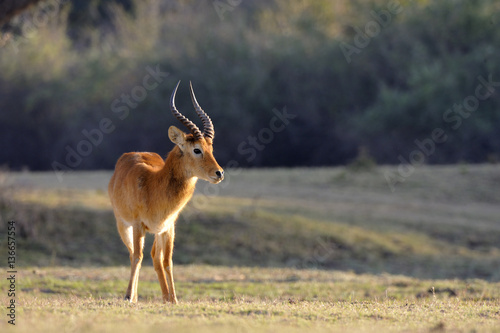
(197, 151)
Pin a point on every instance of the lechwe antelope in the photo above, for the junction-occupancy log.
(147, 194)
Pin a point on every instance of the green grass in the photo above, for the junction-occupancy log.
(441, 222)
(228, 298)
(278, 249)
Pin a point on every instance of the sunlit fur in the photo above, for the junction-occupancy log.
(147, 194)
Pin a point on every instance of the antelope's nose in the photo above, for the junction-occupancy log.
(220, 174)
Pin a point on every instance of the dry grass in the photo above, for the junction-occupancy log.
(300, 249)
(251, 299)
(442, 222)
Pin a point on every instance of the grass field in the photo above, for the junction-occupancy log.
(278, 249)
(249, 299)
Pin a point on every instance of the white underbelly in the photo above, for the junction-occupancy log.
(159, 226)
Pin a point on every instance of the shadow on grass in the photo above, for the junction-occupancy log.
(79, 236)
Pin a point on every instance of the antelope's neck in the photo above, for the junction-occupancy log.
(178, 185)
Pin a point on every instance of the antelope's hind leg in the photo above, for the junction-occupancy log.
(133, 238)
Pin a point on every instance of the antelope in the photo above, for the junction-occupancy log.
(148, 193)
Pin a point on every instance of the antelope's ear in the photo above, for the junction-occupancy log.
(177, 136)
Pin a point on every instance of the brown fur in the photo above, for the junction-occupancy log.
(147, 194)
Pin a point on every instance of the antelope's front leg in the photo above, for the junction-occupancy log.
(158, 254)
(169, 266)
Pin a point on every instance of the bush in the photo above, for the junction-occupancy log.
(64, 77)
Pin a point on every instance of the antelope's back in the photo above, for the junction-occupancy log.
(130, 169)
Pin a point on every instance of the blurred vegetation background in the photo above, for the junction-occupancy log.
(64, 64)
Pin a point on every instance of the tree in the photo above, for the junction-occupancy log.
(11, 8)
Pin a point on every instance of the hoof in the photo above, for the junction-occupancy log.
(171, 301)
(128, 299)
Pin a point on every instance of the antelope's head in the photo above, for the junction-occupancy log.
(196, 147)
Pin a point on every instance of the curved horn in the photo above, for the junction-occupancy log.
(208, 126)
(186, 122)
